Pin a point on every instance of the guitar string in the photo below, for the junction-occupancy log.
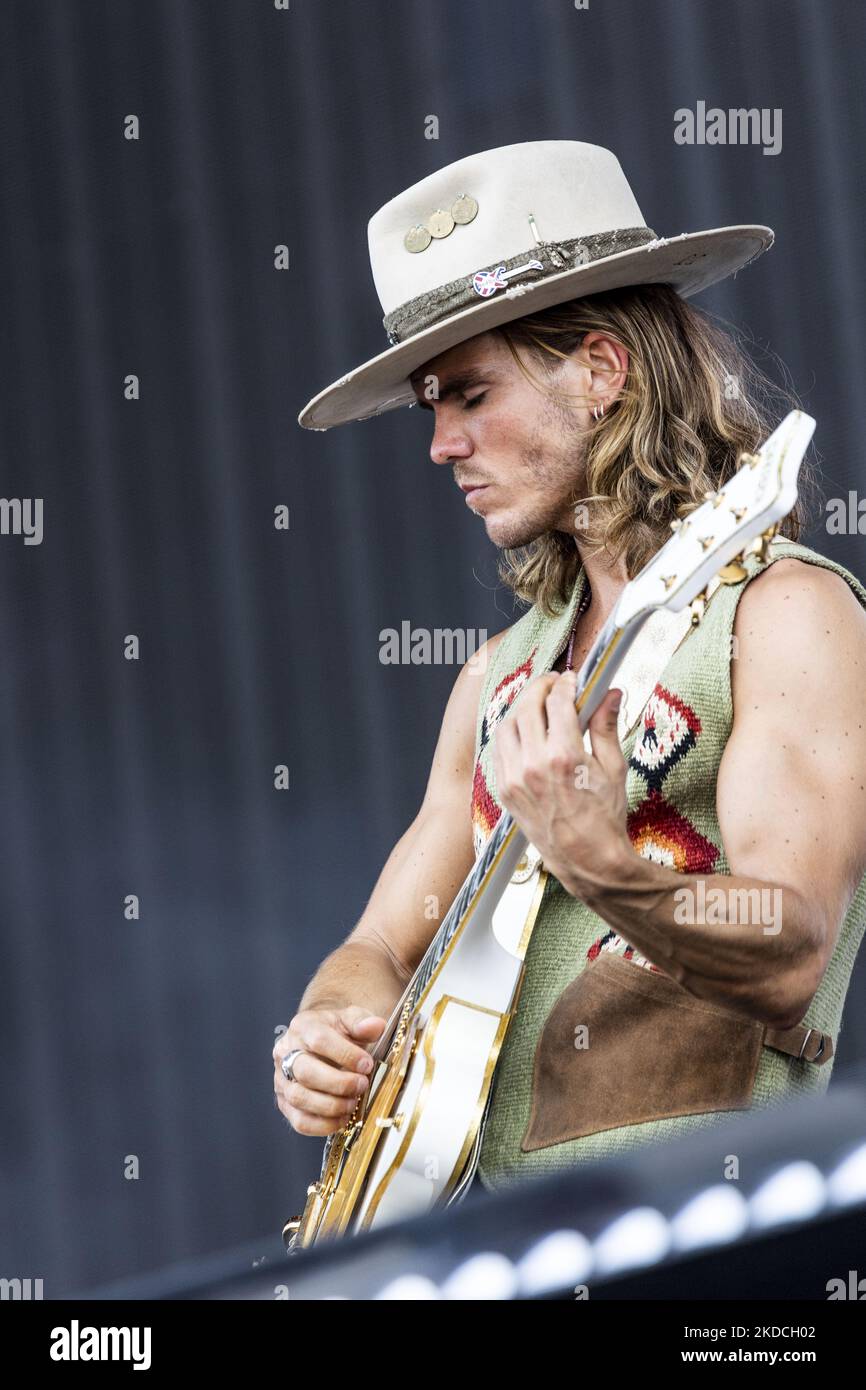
(454, 916)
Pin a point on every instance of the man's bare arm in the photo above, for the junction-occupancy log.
(791, 804)
(365, 976)
(422, 874)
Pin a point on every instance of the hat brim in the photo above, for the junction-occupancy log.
(689, 262)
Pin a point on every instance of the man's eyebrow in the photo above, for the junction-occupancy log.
(460, 381)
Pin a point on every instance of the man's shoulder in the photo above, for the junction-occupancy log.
(802, 588)
(798, 618)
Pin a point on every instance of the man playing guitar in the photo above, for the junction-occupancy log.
(788, 790)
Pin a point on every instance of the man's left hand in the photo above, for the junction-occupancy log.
(570, 804)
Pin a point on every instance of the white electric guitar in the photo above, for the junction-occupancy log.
(412, 1142)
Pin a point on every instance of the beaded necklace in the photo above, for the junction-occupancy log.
(586, 599)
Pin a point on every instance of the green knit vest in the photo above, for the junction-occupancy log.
(676, 813)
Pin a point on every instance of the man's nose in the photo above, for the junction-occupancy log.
(448, 443)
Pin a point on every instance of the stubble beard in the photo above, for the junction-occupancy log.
(552, 464)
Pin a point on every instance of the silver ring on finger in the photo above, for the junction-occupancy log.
(288, 1062)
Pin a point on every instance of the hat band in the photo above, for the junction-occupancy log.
(433, 306)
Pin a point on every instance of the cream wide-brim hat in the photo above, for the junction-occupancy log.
(502, 234)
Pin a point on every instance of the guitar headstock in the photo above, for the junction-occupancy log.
(716, 534)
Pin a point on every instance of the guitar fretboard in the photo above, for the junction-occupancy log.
(504, 826)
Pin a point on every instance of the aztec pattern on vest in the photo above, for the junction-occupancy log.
(673, 751)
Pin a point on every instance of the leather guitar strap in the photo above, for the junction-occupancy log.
(806, 1044)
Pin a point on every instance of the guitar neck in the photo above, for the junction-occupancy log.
(593, 681)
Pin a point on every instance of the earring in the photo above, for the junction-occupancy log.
(597, 411)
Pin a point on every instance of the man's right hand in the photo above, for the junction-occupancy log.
(333, 1070)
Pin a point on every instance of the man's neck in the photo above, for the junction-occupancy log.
(607, 580)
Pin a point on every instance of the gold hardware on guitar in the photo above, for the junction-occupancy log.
(697, 606)
(733, 572)
(391, 1121)
(766, 538)
(400, 1031)
(293, 1225)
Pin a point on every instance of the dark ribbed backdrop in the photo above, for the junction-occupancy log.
(260, 647)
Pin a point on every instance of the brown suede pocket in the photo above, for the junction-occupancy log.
(653, 1051)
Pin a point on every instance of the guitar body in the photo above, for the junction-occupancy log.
(416, 1144)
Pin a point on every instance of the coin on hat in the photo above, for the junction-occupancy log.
(417, 238)
(440, 223)
(463, 209)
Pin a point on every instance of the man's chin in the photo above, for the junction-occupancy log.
(505, 535)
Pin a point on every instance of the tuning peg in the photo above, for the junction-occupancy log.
(676, 524)
(714, 497)
(697, 607)
(766, 538)
(733, 572)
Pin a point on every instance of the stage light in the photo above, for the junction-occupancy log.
(487, 1276)
(640, 1237)
(804, 1166)
(559, 1261)
(409, 1288)
(796, 1192)
(846, 1185)
(713, 1217)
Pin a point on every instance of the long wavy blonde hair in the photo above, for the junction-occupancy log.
(693, 401)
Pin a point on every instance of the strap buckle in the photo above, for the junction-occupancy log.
(819, 1054)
